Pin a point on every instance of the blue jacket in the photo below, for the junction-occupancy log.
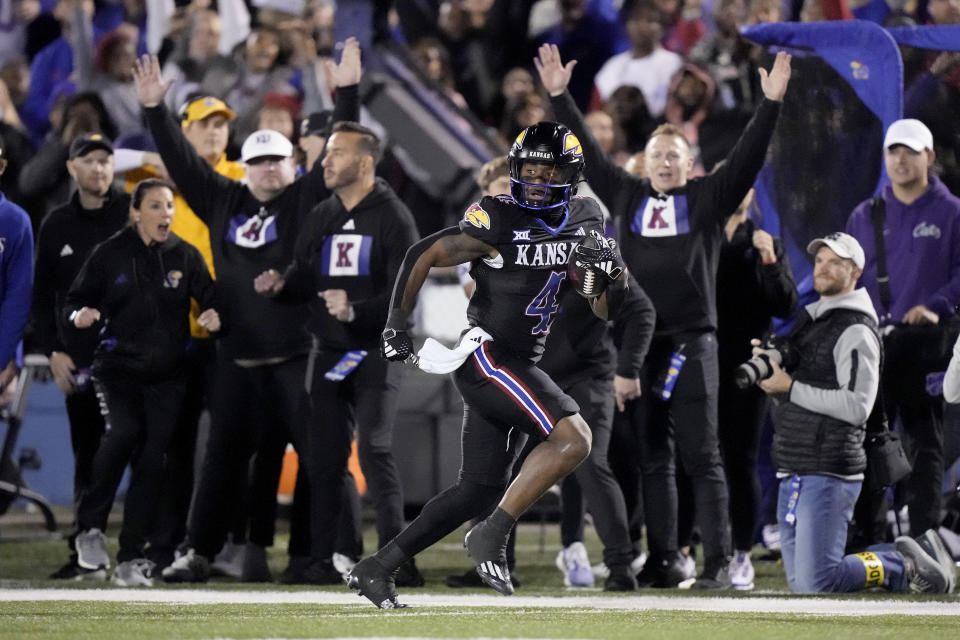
(16, 276)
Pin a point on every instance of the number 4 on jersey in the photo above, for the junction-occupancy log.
(544, 304)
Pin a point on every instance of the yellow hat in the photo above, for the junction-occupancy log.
(204, 107)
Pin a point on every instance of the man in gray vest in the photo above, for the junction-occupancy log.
(833, 358)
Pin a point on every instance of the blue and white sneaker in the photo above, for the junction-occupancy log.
(574, 563)
(741, 571)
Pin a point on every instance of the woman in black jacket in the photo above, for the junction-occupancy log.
(136, 288)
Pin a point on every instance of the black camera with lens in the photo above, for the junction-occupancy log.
(775, 349)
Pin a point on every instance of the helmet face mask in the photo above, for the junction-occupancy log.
(554, 155)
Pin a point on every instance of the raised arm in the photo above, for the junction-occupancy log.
(604, 176)
(729, 184)
(445, 248)
(193, 176)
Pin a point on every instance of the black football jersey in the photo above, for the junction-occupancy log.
(518, 293)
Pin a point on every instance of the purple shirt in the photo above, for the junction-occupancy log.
(922, 240)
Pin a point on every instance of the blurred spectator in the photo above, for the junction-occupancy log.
(45, 175)
(682, 28)
(196, 64)
(108, 71)
(281, 113)
(517, 82)
(15, 74)
(584, 36)
(635, 165)
(628, 108)
(262, 69)
(647, 65)
(314, 131)
(16, 281)
(726, 55)
(17, 147)
(17, 14)
(754, 282)
(434, 60)
(525, 110)
(934, 97)
(608, 135)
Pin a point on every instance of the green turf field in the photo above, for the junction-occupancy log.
(32, 606)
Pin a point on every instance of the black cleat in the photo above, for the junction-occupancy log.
(491, 559)
(408, 575)
(372, 581)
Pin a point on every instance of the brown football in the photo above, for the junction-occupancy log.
(587, 282)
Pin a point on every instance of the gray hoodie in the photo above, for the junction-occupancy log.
(849, 405)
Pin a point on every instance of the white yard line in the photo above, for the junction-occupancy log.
(807, 605)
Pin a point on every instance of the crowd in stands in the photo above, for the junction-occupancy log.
(237, 127)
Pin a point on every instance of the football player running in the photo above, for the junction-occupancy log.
(519, 247)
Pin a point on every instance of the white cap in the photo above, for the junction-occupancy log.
(845, 246)
(909, 132)
(265, 142)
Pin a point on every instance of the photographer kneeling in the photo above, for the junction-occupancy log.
(821, 408)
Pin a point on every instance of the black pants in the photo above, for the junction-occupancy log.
(86, 430)
(141, 419)
(921, 491)
(171, 525)
(599, 487)
(741, 416)
(365, 401)
(252, 408)
(687, 421)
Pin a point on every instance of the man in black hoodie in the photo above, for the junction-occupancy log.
(670, 232)
(346, 260)
(67, 236)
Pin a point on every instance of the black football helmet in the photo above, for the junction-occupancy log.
(546, 143)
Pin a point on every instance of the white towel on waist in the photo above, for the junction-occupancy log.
(433, 357)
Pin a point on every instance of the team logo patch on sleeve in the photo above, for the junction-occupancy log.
(571, 145)
(476, 216)
(172, 281)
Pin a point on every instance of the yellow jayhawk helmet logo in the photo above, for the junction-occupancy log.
(860, 71)
(477, 216)
(519, 141)
(571, 145)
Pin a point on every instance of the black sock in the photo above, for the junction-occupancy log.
(501, 522)
(391, 556)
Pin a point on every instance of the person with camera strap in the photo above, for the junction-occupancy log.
(911, 239)
(824, 379)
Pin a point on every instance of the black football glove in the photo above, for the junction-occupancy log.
(604, 259)
(396, 345)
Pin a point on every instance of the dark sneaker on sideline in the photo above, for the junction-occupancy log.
(714, 576)
(255, 567)
(320, 572)
(620, 579)
(72, 571)
(408, 575)
(923, 573)
(663, 572)
(190, 567)
(490, 554)
(374, 582)
(932, 543)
